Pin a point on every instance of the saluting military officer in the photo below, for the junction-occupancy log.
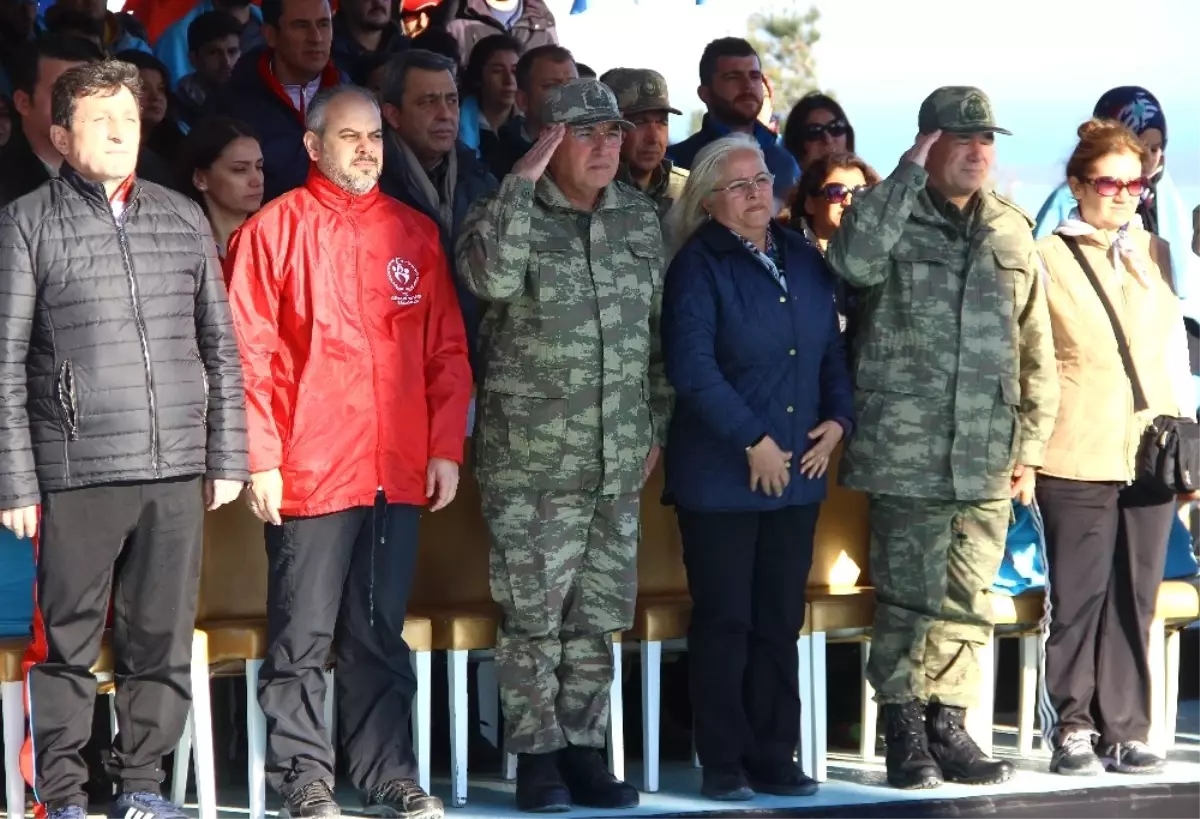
(572, 410)
(642, 97)
(956, 394)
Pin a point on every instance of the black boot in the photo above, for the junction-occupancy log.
(960, 758)
(540, 787)
(589, 782)
(909, 763)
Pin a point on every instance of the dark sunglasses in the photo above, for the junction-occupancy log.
(817, 130)
(1107, 186)
(839, 194)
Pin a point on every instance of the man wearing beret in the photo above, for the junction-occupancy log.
(956, 394)
(642, 97)
(572, 410)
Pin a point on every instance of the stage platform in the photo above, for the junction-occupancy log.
(855, 789)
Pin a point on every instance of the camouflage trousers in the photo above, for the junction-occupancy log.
(933, 563)
(564, 571)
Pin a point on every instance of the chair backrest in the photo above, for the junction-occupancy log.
(452, 562)
(843, 544)
(233, 572)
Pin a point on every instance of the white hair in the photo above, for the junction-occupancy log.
(687, 214)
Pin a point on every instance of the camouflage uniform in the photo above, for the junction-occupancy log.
(641, 90)
(573, 395)
(955, 384)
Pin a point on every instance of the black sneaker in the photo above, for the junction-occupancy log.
(540, 787)
(403, 799)
(909, 763)
(960, 759)
(781, 779)
(313, 801)
(1075, 756)
(144, 805)
(725, 785)
(586, 776)
(1132, 758)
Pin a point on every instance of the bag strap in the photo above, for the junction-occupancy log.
(1139, 395)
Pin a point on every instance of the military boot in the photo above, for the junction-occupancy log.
(591, 785)
(960, 758)
(909, 764)
(540, 788)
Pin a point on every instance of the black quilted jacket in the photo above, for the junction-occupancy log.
(118, 360)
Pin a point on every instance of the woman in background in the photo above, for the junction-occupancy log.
(762, 398)
(815, 127)
(1106, 534)
(826, 189)
(223, 167)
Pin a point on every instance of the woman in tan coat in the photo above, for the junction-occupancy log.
(1106, 535)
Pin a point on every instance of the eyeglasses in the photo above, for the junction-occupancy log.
(742, 187)
(840, 194)
(817, 130)
(1108, 186)
(588, 133)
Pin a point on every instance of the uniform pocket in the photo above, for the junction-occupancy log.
(925, 271)
(527, 430)
(1004, 431)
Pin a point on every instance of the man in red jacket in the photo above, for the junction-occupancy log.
(357, 388)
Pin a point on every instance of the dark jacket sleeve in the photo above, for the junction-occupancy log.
(837, 389)
(18, 295)
(215, 337)
(689, 330)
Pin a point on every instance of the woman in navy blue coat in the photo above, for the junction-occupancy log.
(762, 398)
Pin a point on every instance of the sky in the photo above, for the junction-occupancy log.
(1043, 63)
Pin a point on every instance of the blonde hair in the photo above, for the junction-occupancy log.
(688, 214)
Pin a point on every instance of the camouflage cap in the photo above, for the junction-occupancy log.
(582, 102)
(638, 90)
(958, 109)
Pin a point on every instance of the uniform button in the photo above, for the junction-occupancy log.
(787, 464)
(783, 299)
(791, 352)
(790, 409)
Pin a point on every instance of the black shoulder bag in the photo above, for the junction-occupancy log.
(1169, 453)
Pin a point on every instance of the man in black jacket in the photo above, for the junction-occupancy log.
(30, 159)
(425, 166)
(122, 415)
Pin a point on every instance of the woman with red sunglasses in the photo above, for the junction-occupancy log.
(826, 189)
(1106, 533)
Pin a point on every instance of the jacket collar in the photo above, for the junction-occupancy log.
(552, 197)
(333, 197)
(717, 129)
(94, 191)
(722, 241)
(330, 76)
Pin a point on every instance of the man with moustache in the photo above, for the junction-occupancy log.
(572, 412)
(357, 388)
(642, 96)
(956, 396)
(731, 87)
(426, 166)
(362, 28)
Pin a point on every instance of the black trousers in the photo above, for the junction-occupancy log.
(139, 543)
(1106, 547)
(747, 573)
(350, 571)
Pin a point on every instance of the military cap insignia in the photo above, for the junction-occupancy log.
(650, 88)
(974, 108)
